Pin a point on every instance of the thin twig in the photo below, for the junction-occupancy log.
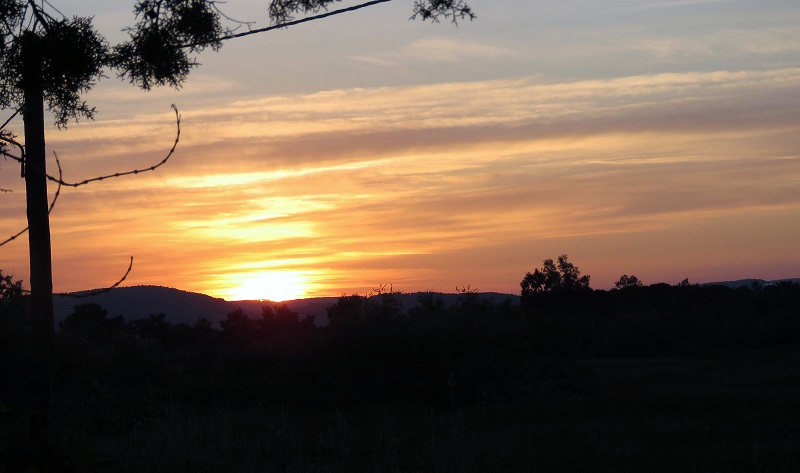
(94, 292)
(21, 158)
(14, 237)
(39, 15)
(56, 9)
(98, 291)
(60, 181)
(8, 155)
(16, 112)
(135, 171)
(49, 209)
(233, 20)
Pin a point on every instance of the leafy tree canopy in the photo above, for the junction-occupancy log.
(70, 54)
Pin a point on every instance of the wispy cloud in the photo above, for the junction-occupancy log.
(439, 50)
(731, 42)
(672, 4)
(406, 185)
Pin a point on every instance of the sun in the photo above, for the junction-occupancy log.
(275, 286)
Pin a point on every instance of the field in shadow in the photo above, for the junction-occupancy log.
(723, 412)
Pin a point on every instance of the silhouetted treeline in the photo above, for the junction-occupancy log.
(662, 320)
(373, 350)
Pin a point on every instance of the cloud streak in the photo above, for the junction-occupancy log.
(438, 50)
(407, 185)
(673, 4)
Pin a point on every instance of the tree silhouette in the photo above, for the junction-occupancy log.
(347, 309)
(557, 286)
(10, 290)
(91, 323)
(279, 320)
(49, 59)
(154, 327)
(238, 327)
(685, 283)
(627, 281)
(561, 276)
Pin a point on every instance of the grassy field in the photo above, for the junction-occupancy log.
(719, 412)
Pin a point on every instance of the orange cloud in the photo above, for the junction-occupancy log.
(429, 187)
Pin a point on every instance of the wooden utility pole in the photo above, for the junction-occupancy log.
(41, 270)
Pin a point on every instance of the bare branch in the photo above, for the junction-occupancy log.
(16, 112)
(248, 24)
(134, 171)
(50, 209)
(39, 15)
(9, 155)
(94, 292)
(54, 8)
(292, 23)
(60, 181)
(98, 291)
(21, 158)
(14, 236)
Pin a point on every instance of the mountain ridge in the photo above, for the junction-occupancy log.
(180, 306)
(749, 282)
(137, 302)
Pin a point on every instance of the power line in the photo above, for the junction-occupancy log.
(291, 23)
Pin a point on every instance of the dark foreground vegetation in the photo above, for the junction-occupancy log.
(653, 378)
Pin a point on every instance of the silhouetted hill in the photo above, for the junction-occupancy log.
(749, 282)
(139, 302)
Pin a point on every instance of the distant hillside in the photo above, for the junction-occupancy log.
(139, 302)
(749, 282)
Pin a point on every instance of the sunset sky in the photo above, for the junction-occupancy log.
(656, 138)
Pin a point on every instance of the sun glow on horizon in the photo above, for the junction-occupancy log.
(275, 286)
